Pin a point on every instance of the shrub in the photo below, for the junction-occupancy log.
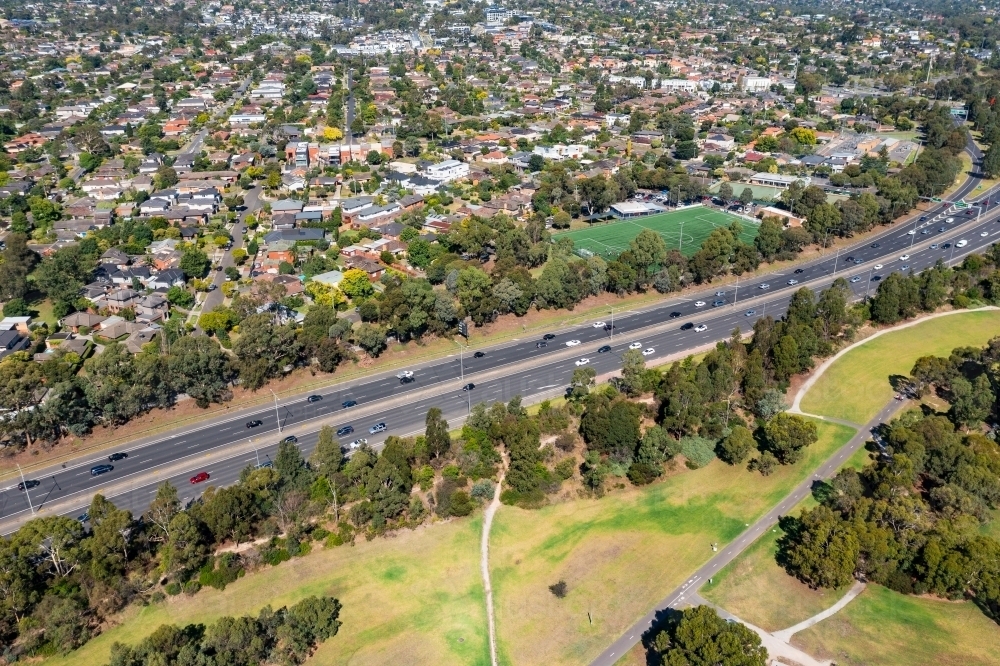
(191, 587)
(319, 534)
(566, 442)
(224, 570)
(642, 474)
(559, 589)
(483, 490)
(698, 451)
(157, 597)
(564, 469)
(173, 589)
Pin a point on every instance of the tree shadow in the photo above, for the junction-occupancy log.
(899, 382)
(662, 619)
(821, 491)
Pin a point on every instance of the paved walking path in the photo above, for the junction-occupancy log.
(484, 566)
(786, 634)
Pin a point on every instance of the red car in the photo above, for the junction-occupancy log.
(199, 477)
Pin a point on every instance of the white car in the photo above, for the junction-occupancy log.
(962, 243)
(904, 257)
(950, 220)
(911, 232)
(700, 328)
(648, 352)
(855, 279)
(599, 324)
(572, 343)
(793, 281)
(699, 304)
(357, 443)
(764, 286)
(877, 267)
(635, 345)
(583, 361)
(405, 374)
(985, 234)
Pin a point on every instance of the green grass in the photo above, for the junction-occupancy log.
(42, 311)
(610, 239)
(857, 385)
(890, 629)
(621, 554)
(413, 598)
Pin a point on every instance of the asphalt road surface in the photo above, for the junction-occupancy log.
(516, 368)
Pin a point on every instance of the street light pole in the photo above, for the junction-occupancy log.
(737, 292)
(835, 259)
(277, 415)
(869, 285)
(612, 324)
(27, 491)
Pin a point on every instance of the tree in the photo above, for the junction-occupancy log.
(110, 540)
(291, 467)
(819, 548)
(649, 252)
(328, 456)
(356, 284)
(229, 512)
(195, 263)
(633, 368)
(199, 368)
(787, 435)
(726, 192)
(991, 161)
(436, 434)
(746, 196)
(736, 447)
(371, 338)
(180, 297)
(16, 262)
(582, 380)
(264, 349)
(165, 177)
(698, 636)
(163, 508)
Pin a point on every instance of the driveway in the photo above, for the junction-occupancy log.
(251, 199)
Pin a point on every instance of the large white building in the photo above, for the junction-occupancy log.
(756, 84)
(447, 171)
(780, 181)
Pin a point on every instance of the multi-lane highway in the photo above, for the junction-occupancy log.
(518, 368)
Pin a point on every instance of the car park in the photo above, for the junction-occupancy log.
(291, 438)
(254, 423)
(648, 352)
(29, 484)
(699, 304)
(115, 457)
(674, 315)
(687, 327)
(604, 350)
(700, 328)
(599, 324)
(344, 430)
(469, 387)
(479, 354)
(572, 343)
(200, 476)
(582, 361)
(349, 403)
(377, 428)
(314, 398)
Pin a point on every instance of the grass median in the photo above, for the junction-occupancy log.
(858, 384)
(621, 554)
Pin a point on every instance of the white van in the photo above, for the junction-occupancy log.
(962, 243)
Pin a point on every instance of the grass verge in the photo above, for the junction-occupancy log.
(857, 384)
(416, 598)
(622, 554)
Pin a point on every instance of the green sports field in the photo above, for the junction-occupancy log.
(609, 239)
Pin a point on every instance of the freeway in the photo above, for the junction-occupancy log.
(517, 368)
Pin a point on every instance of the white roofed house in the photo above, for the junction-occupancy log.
(447, 171)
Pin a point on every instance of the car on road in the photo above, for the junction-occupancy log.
(793, 281)
(357, 443)
(377, 428)
(924, 232)
(635, 345)
(720, 293)
(985, 234)
(877, 267)
(876, 278)
(946, 246)
(649, 351)
(749, 313)
(213, 287)
(700, 328)
(968, 213)
(582, 361)
(950, 220)
(83, 517)
(849, 259)
(291, 438)
(200, 476)
(799, 271)
(962, 243)
(687, 327)
(699, 304)
(904, 257)
(254, 423)
(115, 457)
(572, 343)
(674, 315)
(855, 279)
(911, 232)
(716, 304)
(469, 387)
(479, 354)
(604, 350)
(29, 484)
(349, 403)
(923, 217)
(344, 430)
(933, 246)
(549, 336)
(763, 285)
(267, 464)
(540, 345)
(314, 398)
(940, 230)
(875, 245)
(404, 375)
(859, 260)
(599, 324)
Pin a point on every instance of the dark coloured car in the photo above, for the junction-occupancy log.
(604, 350)
(675, 314)
(479, 355)
(799, 271)
(291, 438)
(850, 259)
(314, 398)
(115, 457)
(254, 423)
(349, 403)
(923, 217)
(859, 260)
(469, 387)
(539, 345)
(406, 379)
(876, 278)
(874, 245)
(29, 484)
(716, 304)
(687, 327)
(97, 470)
(549, 336)
(83, 517)
(345, 430)
(266, 463)
(200, 476)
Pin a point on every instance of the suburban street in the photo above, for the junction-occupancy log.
(515, 368)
